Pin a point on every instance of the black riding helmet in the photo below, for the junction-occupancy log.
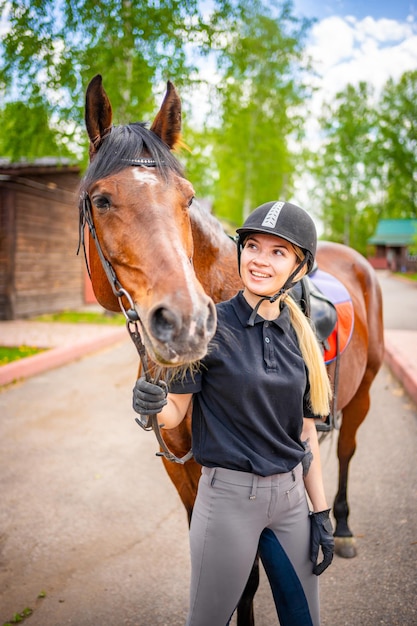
(285, 220)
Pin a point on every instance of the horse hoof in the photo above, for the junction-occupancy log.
(345, 547)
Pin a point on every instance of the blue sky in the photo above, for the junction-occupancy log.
(392, 9)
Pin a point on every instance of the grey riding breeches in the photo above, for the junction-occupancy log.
(234, 514)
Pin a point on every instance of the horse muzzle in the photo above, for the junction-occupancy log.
(173, 338)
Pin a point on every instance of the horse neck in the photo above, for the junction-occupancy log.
(215, 257)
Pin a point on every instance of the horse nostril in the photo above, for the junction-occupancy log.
(164, 324)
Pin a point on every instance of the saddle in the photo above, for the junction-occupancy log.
(326, 301)
(317, 307)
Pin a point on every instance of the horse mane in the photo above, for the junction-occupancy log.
(124, 144)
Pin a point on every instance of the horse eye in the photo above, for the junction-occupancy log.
(190, 202)
(102, 203)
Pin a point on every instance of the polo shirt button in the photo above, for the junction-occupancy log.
(266, 339)
(266, 324)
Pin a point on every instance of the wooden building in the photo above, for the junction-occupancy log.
(393, 240)
(39, 269)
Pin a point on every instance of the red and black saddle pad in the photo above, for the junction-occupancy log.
(337, 293)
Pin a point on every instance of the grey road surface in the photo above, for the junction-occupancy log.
(400, 302)
(90, 520)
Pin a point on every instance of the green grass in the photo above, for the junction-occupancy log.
(85, 317)
(7, 355)
(406, 275)
(19, 617)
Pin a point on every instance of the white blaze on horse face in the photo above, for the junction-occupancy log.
(188, 274)
(148, 177)
(145, 176)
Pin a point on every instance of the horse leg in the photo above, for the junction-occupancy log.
(353, 416)
(245, 612)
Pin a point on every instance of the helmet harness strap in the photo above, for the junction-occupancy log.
(287, 285)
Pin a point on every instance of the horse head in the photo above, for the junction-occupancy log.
(135, 200)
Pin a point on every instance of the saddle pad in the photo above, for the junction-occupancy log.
(337, 293)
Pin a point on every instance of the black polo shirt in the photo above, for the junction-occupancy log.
(251, 394)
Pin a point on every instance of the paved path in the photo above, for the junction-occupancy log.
(89, 516)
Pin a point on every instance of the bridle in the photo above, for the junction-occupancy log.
(147, 422)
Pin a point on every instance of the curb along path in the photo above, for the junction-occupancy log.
(401, 358)
(63, 343)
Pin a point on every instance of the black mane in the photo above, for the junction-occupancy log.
(124, 144)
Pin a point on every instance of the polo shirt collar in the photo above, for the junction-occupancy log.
(243, 311)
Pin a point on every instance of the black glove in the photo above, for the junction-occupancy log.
(149, 398)
(321, 535)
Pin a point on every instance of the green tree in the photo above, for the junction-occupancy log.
(60, 46)
(54, 48)
(27, 132)
(345, 182)
(261, 87)
(397, 146)
(197, 157)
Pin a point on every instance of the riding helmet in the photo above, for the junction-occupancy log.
(285, 220)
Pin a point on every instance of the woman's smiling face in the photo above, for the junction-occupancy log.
(265, 263)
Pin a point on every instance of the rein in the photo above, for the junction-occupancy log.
(147, 422)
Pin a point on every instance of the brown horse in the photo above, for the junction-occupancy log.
(159, 255)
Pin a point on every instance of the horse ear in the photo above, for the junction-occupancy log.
(98, 113)
(167, 123)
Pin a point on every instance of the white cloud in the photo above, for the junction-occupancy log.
(4, 20)
(382, 30)
(332, 40)
(350, 50)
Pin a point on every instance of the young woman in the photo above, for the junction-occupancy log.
(254, 397)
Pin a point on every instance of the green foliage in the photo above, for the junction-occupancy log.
(57, 47)
(198, 160)
(366, 167)
(19, 617)
(397, 146)
(52, 50)
(341, 167)
(257, 102)
(27, 133)
(13, 353)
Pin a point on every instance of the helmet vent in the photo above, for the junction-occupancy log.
(272, 216)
